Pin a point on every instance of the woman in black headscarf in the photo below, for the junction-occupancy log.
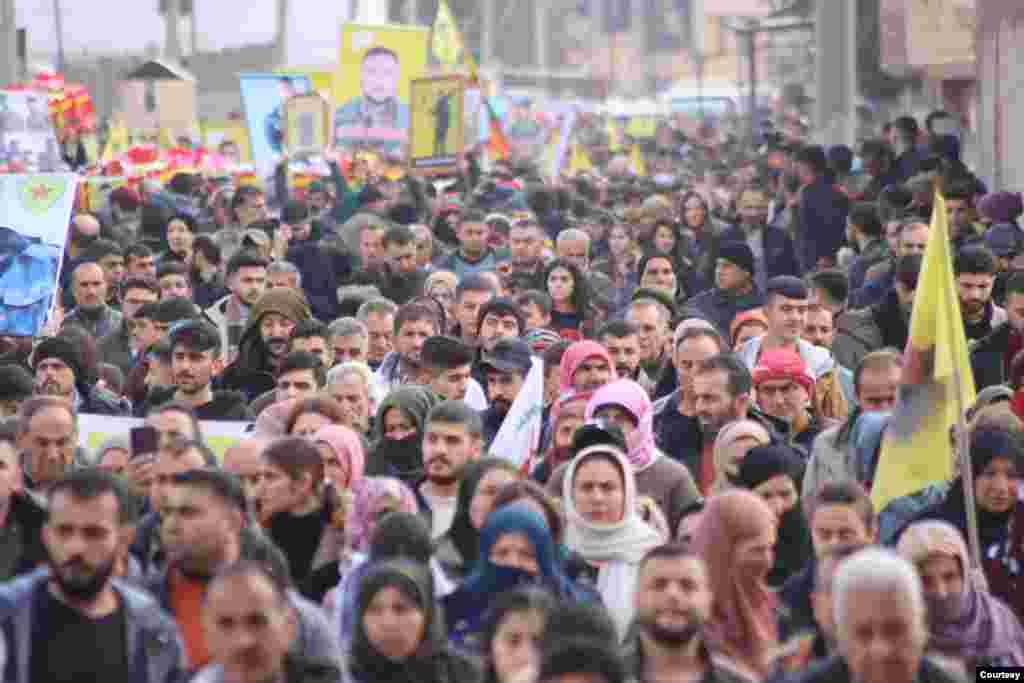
(398, 452)
(399, 634)
(398, 536)
(481, 481)
(774, 473)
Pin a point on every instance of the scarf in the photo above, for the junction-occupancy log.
(463, 535)
(627, 540)
(742, 624)
(402, 458)
(424, 665)
(973, 624)
(489, 579)
(793, 543)
(370, 495)
(727, 452)
(348, 447)
(641, 450)
(574, 357)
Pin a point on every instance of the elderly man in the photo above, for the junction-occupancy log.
(352, 385)
(879, 614)
(573, 245)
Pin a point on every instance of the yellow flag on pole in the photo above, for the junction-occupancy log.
(937, 382)
(637, 162)
(579, 161)
(446, 42)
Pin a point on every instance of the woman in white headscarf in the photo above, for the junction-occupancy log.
(604, 527)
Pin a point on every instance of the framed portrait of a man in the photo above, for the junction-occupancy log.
(307, 124)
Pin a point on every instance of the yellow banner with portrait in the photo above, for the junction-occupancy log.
(437, 134)
(371, 88)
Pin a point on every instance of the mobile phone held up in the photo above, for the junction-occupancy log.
(144, 442)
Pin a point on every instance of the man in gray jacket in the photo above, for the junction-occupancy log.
(74, 621)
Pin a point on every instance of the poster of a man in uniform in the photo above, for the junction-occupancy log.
(436, 134)
(35, 211)
(27, 140)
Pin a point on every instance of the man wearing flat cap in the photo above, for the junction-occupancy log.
(735, 289)
(505, 367)
(265, 341)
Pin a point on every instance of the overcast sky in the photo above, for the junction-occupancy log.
(112, 25)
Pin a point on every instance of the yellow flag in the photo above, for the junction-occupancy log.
(446, 42)
(579, 161)
(614, 138)
(637, 162)
(937, 380)
(117, 143)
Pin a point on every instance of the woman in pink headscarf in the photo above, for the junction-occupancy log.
(660, 479)
(586, 366)
(342, 452)
(736, 538)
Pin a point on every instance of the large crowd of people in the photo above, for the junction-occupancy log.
(722, 348)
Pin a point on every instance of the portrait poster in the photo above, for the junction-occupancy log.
(307, 125)
(376, 66)
(436, 136)
(263, 98)
(35, 211)
(27, 140)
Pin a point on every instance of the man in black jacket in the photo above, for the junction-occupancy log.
(992, 356)
(195, 362)
(265, 342)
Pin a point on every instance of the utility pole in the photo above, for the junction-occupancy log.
(8, 44)
(172, 33)
(541, 37)
(836, 66)
(58, 25)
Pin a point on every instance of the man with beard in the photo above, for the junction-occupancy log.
(116, 347)
(89, 290)
(622, 339)
(265, 342)
(203, 531)
(975, 270)
(414, 323)
(992, 356)
(246, 278)
(505, 367)
(195, 362)
(403, 280)
(526, 245)
(673, 601)
(59, 372)
(721, 387)
(452, 439)
(75, 621)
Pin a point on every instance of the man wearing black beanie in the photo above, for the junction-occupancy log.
(59, 372)
(734, 292)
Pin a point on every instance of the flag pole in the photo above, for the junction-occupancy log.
(963, 451)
